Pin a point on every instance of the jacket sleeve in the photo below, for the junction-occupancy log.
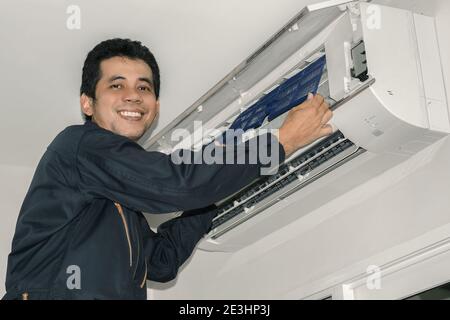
(114, 167)
(174, 242)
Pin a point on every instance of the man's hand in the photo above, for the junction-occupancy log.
(305, 123)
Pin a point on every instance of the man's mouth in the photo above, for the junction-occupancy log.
(131, 115)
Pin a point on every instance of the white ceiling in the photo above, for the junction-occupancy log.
(196, 42)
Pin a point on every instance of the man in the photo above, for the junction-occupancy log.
(80, 233)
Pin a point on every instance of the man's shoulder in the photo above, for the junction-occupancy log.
(67, 141)
(76, 138)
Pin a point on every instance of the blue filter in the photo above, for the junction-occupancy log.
(295, 90)
(254, 116)
(289, 94)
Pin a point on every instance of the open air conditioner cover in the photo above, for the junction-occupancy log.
(384, 82)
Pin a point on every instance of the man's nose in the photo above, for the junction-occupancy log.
(132, 95)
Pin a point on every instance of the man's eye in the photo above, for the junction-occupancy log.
(144, 88)
(115, 86)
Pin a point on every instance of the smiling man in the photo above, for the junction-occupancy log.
(124, 100)
(81, 233)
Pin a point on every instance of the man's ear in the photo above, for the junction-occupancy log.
(87, 105)
(157, 107)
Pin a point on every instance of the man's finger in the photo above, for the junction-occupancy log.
(326, 130)
(309, 98)
(318, 100)
(324, 107)
(314, 100)
(327, 117)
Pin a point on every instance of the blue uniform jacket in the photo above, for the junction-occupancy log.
(81, 233)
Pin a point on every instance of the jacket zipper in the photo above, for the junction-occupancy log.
(125, 224)
(137, 264)
(145, 276)
(120, 210)
(137, 256)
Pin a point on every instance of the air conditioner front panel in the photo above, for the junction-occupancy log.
(366, 121)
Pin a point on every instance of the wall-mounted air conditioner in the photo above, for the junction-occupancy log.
(379, 68)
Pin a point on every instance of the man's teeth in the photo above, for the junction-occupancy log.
(130, 114)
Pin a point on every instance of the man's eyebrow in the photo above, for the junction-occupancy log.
(114, 78)
(117, 77)
(148, 80)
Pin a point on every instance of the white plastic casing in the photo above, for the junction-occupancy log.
(406, 108)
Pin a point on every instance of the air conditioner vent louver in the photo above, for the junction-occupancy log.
(291, 176)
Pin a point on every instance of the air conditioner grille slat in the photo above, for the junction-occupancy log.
(297, 169)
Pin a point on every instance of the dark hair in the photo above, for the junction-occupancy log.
(113, 48)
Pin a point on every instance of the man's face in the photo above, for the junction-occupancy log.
(125, 97)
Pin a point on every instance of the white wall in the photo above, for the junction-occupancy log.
(406, 215)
